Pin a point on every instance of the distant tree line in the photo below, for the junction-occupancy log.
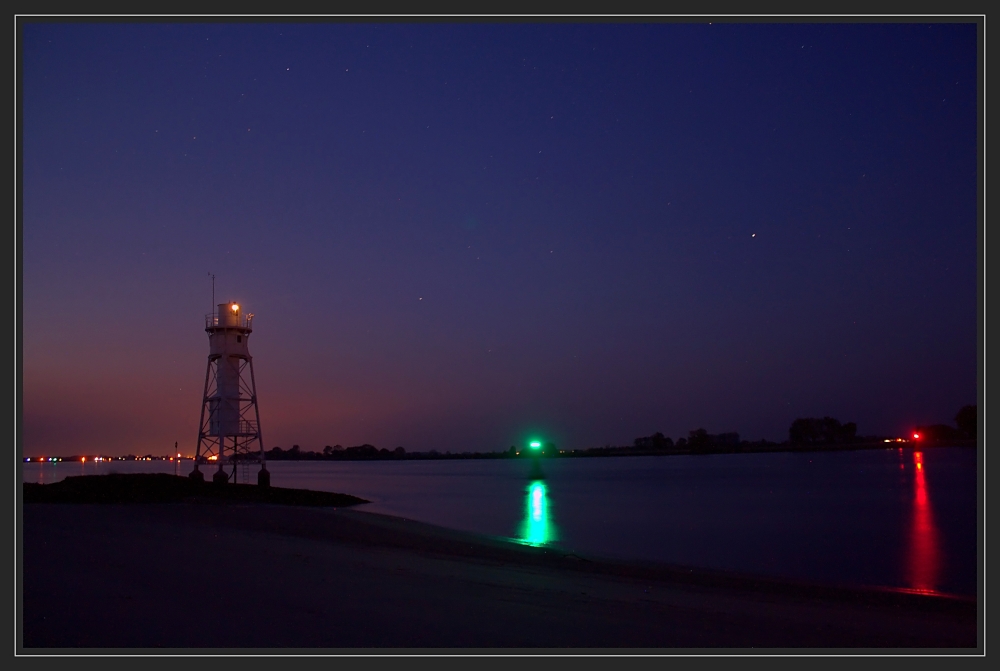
(829, 431)
(695, 440)
(825, 431)
(368, 452)
(334, 453)
(804, 433)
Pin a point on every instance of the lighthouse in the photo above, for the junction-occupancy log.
(229, 434)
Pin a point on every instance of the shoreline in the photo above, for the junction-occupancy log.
(584, 453)
(485, 545)
(626, 451)
(344, 578)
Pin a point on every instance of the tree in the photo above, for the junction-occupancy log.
(698, 439)
(365, 451)
(656, 442)
(849, 432)
(966, 419)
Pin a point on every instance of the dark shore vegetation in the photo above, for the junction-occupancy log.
(806, 434)
(165, 488)
(646, 446)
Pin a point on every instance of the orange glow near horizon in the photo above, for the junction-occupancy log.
(924, 556)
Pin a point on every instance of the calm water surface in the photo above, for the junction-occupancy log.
(895, 518)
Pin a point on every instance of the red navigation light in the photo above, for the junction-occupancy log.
(916, 436)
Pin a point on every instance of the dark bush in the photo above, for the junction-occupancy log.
(812, 431)
(966, 419)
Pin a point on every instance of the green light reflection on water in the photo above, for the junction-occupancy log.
(537, 528)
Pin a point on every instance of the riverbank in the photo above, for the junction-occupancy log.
(589, 452)
(250, 575)
(624, 451)
(761, 448)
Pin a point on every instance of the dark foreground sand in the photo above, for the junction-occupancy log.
(265, 576)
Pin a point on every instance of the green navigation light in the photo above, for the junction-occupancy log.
(535, 444)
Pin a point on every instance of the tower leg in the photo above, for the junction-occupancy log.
(196, 474)
(263, 477)
(236, 458)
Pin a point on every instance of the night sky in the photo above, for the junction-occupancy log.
(454, 236)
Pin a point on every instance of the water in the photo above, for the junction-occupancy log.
(893, 518)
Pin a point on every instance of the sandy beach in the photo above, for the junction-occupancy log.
(260, 576)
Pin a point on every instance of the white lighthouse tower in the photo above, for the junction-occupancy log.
(229, 429)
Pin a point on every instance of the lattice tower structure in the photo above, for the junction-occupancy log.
(229, 432)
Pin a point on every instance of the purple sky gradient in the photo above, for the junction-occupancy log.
(453, 236)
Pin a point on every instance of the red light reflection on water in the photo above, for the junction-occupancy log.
(924, 557)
